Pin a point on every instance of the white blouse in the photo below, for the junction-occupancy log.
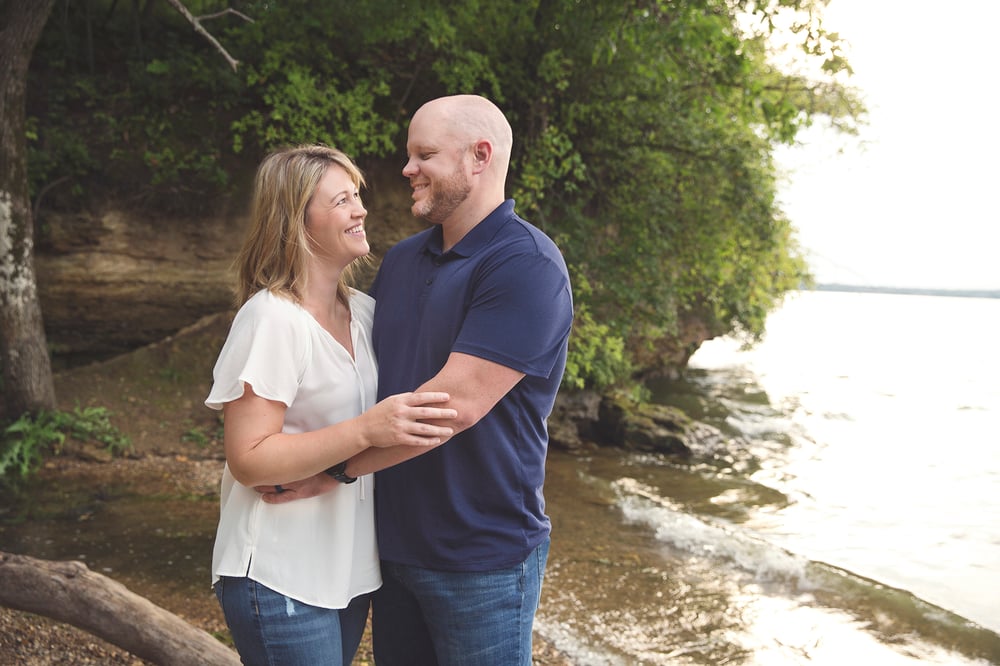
(320, 551)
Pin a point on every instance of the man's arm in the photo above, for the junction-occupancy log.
(475, 386)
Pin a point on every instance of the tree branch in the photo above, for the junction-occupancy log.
(228, 10)
(72, 593)
(196, 22)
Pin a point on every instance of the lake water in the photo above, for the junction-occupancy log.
(852, 515)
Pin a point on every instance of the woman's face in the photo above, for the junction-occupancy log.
(335, 219)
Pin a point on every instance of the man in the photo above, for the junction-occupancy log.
(478, 306)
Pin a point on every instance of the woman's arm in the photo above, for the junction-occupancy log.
(258, 453)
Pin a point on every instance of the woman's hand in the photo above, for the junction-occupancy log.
(403, 420)
(287, 492)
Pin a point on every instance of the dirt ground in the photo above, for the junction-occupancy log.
(154, 395)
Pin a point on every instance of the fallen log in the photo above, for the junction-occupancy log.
(70, 592)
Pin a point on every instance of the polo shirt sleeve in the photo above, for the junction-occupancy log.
(520, 315)
(267, 348)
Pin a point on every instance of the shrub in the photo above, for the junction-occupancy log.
(25, 443)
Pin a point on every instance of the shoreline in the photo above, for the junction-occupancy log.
(32, 640)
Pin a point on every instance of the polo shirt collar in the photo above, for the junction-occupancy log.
(478, 237)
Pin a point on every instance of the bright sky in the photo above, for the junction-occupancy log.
(916, 203)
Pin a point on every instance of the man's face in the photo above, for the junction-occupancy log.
(437, 168)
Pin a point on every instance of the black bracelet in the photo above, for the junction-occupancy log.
(338, 472)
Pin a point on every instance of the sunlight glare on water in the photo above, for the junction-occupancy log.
(796, 634)
(894, 407)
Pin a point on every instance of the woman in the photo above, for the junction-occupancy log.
(294, 380)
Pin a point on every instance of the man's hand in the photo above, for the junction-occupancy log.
(289, 492)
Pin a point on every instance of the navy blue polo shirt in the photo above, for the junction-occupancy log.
(502, 294)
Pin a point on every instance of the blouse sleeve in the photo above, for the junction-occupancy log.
(267, 347)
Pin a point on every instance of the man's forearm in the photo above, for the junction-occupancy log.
(376, 459)
(474, 385)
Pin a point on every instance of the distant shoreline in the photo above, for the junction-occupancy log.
(912, 291)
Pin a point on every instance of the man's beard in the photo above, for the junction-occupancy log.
(446, 196)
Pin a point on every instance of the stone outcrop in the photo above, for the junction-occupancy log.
(114, 280)
(582, 418)
(109, 283)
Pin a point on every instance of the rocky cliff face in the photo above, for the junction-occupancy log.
(114, 280)
(111, 282)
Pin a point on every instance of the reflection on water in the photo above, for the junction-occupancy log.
(637, 578)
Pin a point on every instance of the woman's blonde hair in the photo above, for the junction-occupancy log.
(276, 248)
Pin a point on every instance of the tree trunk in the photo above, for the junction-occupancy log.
(27, 370)
(72, 593)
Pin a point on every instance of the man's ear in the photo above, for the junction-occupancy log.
(482, 154)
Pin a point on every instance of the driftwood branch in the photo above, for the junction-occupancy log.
(196, 22)
(70, 592)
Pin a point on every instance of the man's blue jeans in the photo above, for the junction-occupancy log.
(425, 618)
(270, 629)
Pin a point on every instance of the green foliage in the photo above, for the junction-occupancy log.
(197, 437)
(644, 130)
(125, 107)
(24, 444)
(671, 113)
(300, 108)
(551, 165)
(596, 358)
(202, 436)
(298, 93)
(26, 441)
(93, 424)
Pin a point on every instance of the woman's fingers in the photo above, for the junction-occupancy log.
(434, 413)
(425, 397)
(418, 409)
(425, 430)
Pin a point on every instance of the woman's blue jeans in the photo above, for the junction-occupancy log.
(270, 629)
(422, 617)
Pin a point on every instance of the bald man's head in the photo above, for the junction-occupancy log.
(471, 118)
